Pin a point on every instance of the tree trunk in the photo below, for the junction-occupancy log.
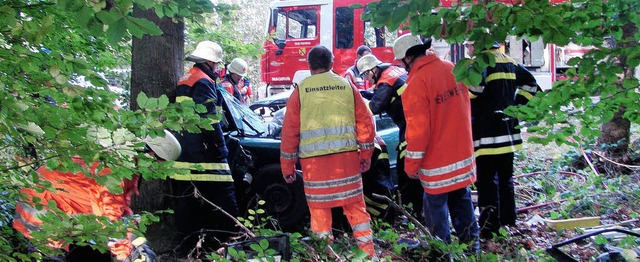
(156, 66)
(156, 61)
(617, 132)
(615, 135)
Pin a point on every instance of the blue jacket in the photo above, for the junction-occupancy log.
(205, 150)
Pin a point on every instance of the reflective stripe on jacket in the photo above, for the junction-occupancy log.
(205, 153)
(439, 139)
(326, 129)
(505, 84)
(387, 97)
(333, 179)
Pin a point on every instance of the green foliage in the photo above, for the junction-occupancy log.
(224, 29)
(54, 104)
(606, 72)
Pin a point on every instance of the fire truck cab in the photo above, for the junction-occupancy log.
(296, 26)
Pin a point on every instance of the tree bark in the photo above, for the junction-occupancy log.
(156, 61)
(156, 66)
(616, 133)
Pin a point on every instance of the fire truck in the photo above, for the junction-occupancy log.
(296, 26)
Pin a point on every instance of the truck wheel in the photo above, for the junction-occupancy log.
(284, 202)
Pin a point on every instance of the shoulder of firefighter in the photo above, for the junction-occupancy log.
(328, 120)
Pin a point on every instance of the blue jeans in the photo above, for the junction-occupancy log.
(458, 202)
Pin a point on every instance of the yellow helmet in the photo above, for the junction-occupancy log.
(367, 63)
(206, 51)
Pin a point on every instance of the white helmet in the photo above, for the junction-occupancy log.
(206, 51)
(167, 147)
(403, 43)
(367, 63)
(238, 66)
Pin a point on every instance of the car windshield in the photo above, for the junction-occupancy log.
(247, 122)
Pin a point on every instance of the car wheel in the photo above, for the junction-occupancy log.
(284, 202)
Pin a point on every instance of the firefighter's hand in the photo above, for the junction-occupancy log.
(289, 178)
(365, 165)
(413, 176)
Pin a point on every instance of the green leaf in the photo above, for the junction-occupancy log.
(117, 31)
(142, 100)
(264, 244)
(143, 27)
(108, 17)
(163, 102)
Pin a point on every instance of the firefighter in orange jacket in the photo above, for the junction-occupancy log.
(390, 83)
(79, 194)
(235, 81)
(328, 126)
(439, 140)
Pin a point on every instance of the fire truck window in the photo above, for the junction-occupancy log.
(378, 37)
(281, 26)
(344, 27)
(302, 23)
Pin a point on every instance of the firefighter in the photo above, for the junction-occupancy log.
(496, 138)
(235, 81)
(390, 82)
(205, 154)
(439, 140)
(328, 126)
(78, 194)
(353, 75)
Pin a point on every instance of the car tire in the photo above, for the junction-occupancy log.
(284, 202)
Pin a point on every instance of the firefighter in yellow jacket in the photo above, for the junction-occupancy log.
(328, 126)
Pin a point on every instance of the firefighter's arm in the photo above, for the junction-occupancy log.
(381, 98)
(415, 104)
(475, 91)
(290, 136)
(527, 85)
(350, 78)
(365, 129)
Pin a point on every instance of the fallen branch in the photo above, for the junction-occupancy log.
(197, 194)
(404, 211)
(633, 167)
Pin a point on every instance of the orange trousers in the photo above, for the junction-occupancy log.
(359, 220)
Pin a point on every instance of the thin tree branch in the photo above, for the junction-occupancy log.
(198, 195)
(419, 225)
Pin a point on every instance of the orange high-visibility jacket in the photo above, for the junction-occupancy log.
(76, 194)
(439, 138)
(331, 177)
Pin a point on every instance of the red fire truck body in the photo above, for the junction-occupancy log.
(296, 26)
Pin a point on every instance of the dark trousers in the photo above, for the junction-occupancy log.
(411, 191)
(496, 198)
(458, 204)
(194, 215)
